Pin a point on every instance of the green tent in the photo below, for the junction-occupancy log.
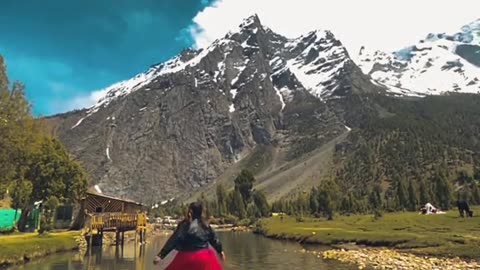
(8, 219)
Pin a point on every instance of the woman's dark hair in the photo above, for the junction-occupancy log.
(196, 210)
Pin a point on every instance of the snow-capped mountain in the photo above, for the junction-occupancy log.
(182, 123)
(317, 61)
(258, 100)
(438, 64)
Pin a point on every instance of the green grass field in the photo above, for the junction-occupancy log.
(437, 235)
(18, 248)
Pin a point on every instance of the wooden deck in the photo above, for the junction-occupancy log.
(105, 222)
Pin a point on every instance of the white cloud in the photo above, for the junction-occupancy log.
(377, 24)
(84, 100)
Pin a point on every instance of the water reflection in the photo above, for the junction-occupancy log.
(244, 251)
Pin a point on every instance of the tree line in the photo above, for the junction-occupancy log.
(242, 204)
(34, 166)
(332, 198)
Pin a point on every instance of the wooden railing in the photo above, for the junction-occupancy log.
(117, 221)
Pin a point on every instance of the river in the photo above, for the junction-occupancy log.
(243, 250)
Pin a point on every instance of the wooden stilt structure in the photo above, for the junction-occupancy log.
(109, 214)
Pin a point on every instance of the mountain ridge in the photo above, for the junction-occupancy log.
(284, 108)
(182, 123)
(438, 64)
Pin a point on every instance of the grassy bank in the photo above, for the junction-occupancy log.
(435, 235)
(20, 248)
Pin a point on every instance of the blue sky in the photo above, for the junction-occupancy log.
(65, 50)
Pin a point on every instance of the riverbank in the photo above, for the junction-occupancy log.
(444, 235)
(21, 248)
(391, 259)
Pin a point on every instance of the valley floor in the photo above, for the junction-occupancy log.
(21, 248)
(444, 235)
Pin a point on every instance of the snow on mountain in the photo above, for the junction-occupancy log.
(441, 63)
(316, 60)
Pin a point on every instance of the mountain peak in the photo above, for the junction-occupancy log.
(317, 59)
(441, 63)
(250, 21)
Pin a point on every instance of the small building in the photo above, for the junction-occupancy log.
(103, 213)
(63, 217)
(99, 203)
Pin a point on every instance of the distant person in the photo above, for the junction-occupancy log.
(464, 209)
(191, 239)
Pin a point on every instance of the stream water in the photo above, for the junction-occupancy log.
(243, 250)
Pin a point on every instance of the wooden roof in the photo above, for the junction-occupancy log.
(91, 193)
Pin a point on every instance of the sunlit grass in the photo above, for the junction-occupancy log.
(441, 235)
(18, 248)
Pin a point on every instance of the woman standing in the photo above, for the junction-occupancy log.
(191, 239)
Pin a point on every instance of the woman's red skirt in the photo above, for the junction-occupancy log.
(205, 259)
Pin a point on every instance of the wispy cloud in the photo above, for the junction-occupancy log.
(78, 102)
(377, 24)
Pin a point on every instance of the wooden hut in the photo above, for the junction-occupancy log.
(105, 213)
(99, 203)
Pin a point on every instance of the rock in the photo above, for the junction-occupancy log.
(390, 259)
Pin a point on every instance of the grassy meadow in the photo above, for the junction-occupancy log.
(19, 248)
(436, 235)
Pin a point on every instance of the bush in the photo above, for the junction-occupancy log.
(229, 219)
(244, 222)
(44, 225)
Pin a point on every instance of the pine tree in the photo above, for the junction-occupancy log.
(402, 194)
(475, 193)
(238, 204)
(391, 200)
(375, 201)
(443, 191)
(221, 200)
(412, 197)
(253, 211)
(244, 184)
(346, 206)
(313, 198)
(424, 193)
(260, 201)
(328, 195)
(18, 133)
(3, 75)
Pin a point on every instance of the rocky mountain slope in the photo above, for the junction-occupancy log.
(293, 111)
(440, 63)
(252, 99)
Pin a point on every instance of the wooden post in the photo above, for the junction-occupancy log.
(123, 238)
(90, 240)
(136, 231)
(101, 237)
(117, 237)
(144, 236)
(90, 244)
